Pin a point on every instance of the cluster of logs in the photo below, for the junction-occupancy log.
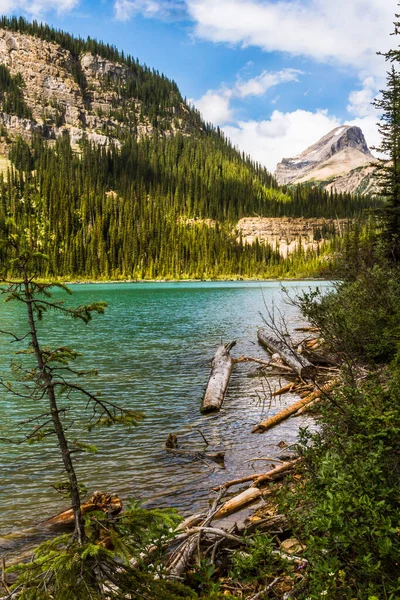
(311, 384)
(284, 356)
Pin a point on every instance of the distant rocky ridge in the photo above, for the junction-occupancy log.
(341, 161)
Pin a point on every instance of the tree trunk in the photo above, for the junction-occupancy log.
(298, 363)
(221, 369)
(48, 387)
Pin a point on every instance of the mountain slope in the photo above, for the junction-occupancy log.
(84, 86)
(340, 160)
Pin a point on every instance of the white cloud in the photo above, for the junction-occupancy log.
(360, 101)
(261, 84)
(162, 9)
(37, 8)
(348, 33)
(283, 135)
(215, 106)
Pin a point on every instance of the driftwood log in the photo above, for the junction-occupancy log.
(295, 361)
(292, 409)
(238, 502)
(276, 473)
(221, 369)
(99, 501)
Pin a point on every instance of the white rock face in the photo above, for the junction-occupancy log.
(331, 159)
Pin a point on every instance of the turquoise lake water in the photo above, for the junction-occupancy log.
(153, 349)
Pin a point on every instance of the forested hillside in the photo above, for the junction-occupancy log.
(120, 178)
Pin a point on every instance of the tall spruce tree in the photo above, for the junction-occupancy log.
(389, 127)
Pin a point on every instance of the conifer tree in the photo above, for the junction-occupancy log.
(389, 127)
(51, 379)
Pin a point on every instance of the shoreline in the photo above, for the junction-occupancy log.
(140, 281)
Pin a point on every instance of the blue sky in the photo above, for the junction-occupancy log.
(274, 74)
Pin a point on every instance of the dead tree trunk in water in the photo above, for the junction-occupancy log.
(221, 369)
(298, 363)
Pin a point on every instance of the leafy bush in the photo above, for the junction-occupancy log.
(360, 319)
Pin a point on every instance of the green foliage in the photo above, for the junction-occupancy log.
(389, 105)
(20, 155)
(350, 507)
(258, 562)
(360, 319)
(11, 94)
(100, 567)
(348, 499)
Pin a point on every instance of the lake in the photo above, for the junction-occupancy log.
(152, 349)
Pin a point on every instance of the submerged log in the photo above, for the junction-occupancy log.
(221, 369)
(296, 361)
(99, 501)
(217, 457)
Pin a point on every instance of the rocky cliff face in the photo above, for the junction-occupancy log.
(340, 160)
(80, 95)
(287, 234)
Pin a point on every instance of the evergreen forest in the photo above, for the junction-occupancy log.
(160, 206)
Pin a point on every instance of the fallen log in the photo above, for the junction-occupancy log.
(291, 410)
(281, 416)
(295, 361)
(307, 407)
(238, 502)
(221, 370)
(321, 357)
(276, 473)
(265, 524)
(99, 501)
(284, 390)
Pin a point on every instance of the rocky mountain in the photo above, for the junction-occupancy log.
(52, 82)
(341, 160)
